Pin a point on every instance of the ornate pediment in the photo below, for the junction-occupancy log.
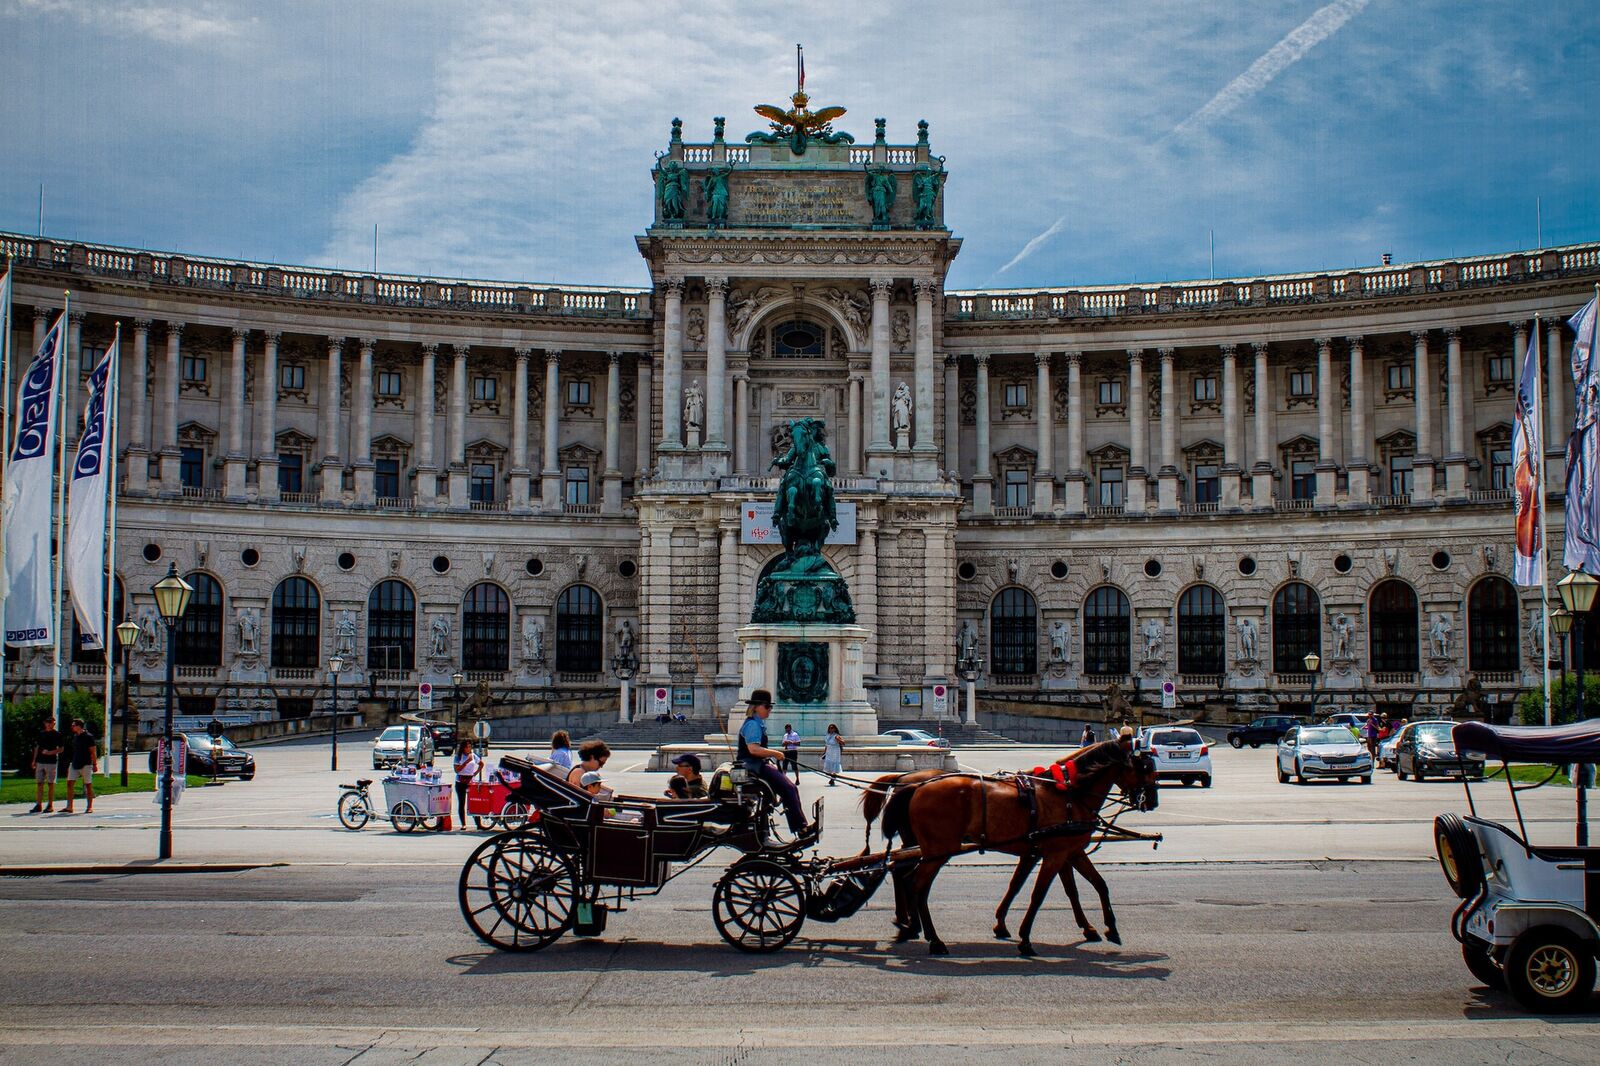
(485, 450)
(1204, 451)
(1109, 454)
(196, 434)
(292, 440)
(1016, 455)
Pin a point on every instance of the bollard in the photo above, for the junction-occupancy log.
(904, 764)
(949, 765)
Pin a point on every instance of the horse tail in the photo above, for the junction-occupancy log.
(873, 798)
(897, 815)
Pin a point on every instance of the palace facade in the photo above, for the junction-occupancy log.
(1195, 481)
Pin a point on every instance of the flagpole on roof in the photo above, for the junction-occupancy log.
(108, 454)
(1544, 519)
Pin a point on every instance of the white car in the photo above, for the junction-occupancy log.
(1308, 751)
(403, 744)
(1180, 754)
(918, 737)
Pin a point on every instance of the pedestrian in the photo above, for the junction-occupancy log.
(756, 756)
(1369, 733)
(46, 750)
(832, 754)
(561, 749)
(467, 765)
(83, 760)
(791, 752)
(687, 782)
(1088, 735)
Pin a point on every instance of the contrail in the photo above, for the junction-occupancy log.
(1033, 245)
(1324, 23)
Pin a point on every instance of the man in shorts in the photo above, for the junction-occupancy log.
(84, 759)
(46, 750)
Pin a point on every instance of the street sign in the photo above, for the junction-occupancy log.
(214, 729)
(1169, 695)
(941, 700)
(425, 697)
(660, 700)
(480, 729)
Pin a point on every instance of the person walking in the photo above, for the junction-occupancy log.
(757, 757)
(46, 751)
(82, 762)
(561, 749)
(1369, 733)
(467, 764)
(1088, 735)
(832, 754)
(791, 752)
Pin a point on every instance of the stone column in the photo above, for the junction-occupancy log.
(1138, 415)
(1422, 386)
(672, 369)
(982, 480)
(1327, 402)
(643, 407)
(728, 604)
(1077, 481)
(234, 460)
(427, 467)
(1043, 415)
(332, 470)
(1261, 469)
(1169, 473)
(716, 366)
(365, 469)
(922, 376)
(611, 493)
(1558, 380)
(878, 446)
(460, 498)
(866, 591)
(519, 432)
(171, 385)
(41, 325)
(741, 425)
(852, 459)
(1232, 469)
(74, 396)
(551, 472)
(1455, 457)
(1358, 461)
(137, 461)
(952, 417)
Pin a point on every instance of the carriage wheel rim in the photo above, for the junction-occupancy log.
(1447, 859)
(763, 906)
(501, 895)
(1552, 971)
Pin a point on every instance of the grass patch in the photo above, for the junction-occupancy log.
(1527, 774)
(21, 790)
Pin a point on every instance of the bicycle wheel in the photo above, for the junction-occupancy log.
(517, 893)
(404, 816)
(758, 906)
(484, 823)
(514, 815)
(354, 813)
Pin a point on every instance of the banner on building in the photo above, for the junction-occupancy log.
(1582, 547)
(86, 509)
(1527, 472)
(755, 524)
(28, 495)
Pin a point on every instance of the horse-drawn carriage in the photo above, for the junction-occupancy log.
(587, 855)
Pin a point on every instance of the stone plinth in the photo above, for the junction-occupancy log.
(814, 672)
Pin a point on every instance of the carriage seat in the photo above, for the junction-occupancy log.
(574, 804)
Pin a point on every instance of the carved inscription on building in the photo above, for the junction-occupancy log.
(762, 201)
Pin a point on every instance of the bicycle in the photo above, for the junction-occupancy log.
(355, 805)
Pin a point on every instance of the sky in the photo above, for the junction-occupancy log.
(1087, 142)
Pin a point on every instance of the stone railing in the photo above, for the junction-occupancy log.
(1187, 297)
(315, 283)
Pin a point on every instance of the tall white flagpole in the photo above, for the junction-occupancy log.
(108, 641)
(5, 457)
(1544, 514)
(63, 354)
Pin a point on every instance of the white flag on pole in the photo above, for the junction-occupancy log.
(86, 510)
(28, 495)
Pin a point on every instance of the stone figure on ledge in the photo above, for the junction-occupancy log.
(439, 629)
(925, 186)
(715, 188)
(1248, 638)
(249, 629)
(1060, 642)
(804, 587)
(1343, 635)
(1153, 632)
(694, 412)
(1439, 634)
(967, 643)
(344, 641)
(900, 409)
(881, 190)
(672, 189)
(625, 638)
(532, 639)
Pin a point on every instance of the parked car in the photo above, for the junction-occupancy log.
(918, 737)
(444, 737)
(1308, 751)
(220, 757)
(1428, 748)
(1387, 745)
(1267, 730)
(409, 744)
(1351, 719)
(1180, 754)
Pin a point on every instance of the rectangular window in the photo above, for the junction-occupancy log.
(90, 358)
(192, 468)
(1205, 388)
(1207, 489)
(578, 393)
(1016, 488)
(1500, 468)
(194, 369)
(482, 486)
(1302, 385)
(1016, 395)
(1110, 393)
(577, 484)
(1500, 369)
(386, 478)
(1400, 475)
(389, 383)
(485, 389)
(292, 377)
(291, 472)
(1303, 479)
(1111, 486)
(1399, 377)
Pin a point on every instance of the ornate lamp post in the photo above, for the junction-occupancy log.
(456, 679)
(1577, 595)
(127, 637)
(625, 664)
(335, 664)
(172, 600)
(1561, 622)
(1313, 664)
(969, 666)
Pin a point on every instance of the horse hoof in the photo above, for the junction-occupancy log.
(1002, 933)
(938, 948)
(1026, 951)
(1090, 936)
(1113, 936)
(906, 934)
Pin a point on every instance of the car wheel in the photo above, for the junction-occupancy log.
(1479, 959)
(1205, 782)
(1367, 780)
(1237, 742)
(1550, 971)
(1401, 774)
(1299, 773)
(1255, 743)
(1283, 778)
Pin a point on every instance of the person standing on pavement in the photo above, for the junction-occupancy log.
(832, 754)
(791, 752)
(1088, 735)
(83, 758)
(467, 765)
(757, 757)
(46, 751)
(1369, 733)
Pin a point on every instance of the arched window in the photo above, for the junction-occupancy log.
(798, 339)
(82, 653)
(1107, 632)
(1013, 633)
(1296, 627)
(199, 633)
(1492, 644)
(391, 627)
(486, 629)
(1201, 621)
(579, 644)
(1393, 636)
(296, 625)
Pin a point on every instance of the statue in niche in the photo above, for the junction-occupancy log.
(1153, 632)
(532, 639)
(1060, 642)
(925, 186)
(694, 411)
(672, 189)
(439, 630)
(344, 642)
(900, 408)
(1439, 634)
(881, 190)
(1248, 638)
(625, 638)
(714, 186)
(1344, 632)
(694, 331)
(249, 630)
(149, 639)
(901, 330)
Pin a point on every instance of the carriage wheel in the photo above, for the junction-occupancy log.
(404, 816)
(353, 810)
(759, 906)
(514, 815)
(517, 893)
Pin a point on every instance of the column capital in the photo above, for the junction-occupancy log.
(951, 359)
(925, 288)
(1042, 359)
(75, 318)
(524, 353)
(716, 285)
(982, 359)
(672, 288)
(614, 358)
(1167, 355)
(1229, 351)
(552, 357)
(1356, 342)
(1260, 348)
(1419, 336)
(141, 325)
(881, 287)
(1324, 345)
(368, 345)
(1135, 355)
(1452, 334)
(174, 330)
(1519, 328)
(273, 336)
(460, 351)
(41, 314)
(1074, 357)
(335, 345)
(430, 347)
(239, 335)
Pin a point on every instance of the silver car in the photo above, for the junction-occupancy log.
(1308, 751)
(403, 744)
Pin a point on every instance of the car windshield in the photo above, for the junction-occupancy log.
(394, 732)
(1336, 734)
(1435, 732)
(1176, 737)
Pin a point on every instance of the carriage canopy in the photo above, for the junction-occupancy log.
(1561, 744)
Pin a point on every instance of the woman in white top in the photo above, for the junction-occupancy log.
(561, 749)
(832, 753)
(467, 764)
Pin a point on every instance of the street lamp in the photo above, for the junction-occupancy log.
(335, 664)
(969, 666)
(1561, 622)
(1577, 595)
(172, 599)
(1313, 663)
(127, 637)
(456, 679)
(625, 664)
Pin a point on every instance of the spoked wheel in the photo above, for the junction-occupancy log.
(404, 816)
(484, 822)
(759, 906)
(353, 811)
(517, 893)
(1550, 971)
(514, 815)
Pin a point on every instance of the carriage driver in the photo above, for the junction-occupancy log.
(756, 756)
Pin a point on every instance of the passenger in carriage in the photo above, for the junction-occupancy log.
(592, 757)
(687, 782)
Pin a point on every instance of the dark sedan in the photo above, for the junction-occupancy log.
(1427, 749)
(214, 758)
(1267, 730)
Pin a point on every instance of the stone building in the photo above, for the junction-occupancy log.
(1194, 481)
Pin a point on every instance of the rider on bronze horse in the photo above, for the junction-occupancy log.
(804, 510)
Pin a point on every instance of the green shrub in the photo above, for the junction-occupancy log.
(25, 718)
(1563, 697)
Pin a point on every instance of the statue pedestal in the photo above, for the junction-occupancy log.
(813, 670)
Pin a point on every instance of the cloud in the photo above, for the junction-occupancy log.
(159, 22)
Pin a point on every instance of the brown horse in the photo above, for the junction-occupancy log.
(945, 815)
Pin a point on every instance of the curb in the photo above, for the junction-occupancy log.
(136, 868)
